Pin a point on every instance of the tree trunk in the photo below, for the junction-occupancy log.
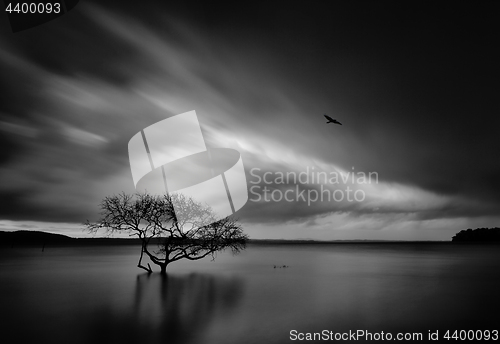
(163, 268)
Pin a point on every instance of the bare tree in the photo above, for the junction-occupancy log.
(190, 231)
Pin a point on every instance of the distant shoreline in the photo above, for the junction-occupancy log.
(38, 238)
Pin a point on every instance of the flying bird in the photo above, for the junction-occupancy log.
(331, 120)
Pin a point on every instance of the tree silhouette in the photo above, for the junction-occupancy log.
(188, 230)
(478, 235)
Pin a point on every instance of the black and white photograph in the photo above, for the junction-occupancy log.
(208, 172)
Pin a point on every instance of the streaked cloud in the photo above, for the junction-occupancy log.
(68, 112)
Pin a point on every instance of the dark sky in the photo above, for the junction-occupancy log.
(415, 86)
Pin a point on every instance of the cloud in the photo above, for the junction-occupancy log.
(83, 137)
(297, 192)
(68, 112)
(18, 129)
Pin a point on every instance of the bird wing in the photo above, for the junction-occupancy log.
(328, 118)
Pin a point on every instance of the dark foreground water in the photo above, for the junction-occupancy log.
(97, 295)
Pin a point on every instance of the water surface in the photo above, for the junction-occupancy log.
(98, 295)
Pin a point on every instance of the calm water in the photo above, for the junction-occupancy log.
(97, 295)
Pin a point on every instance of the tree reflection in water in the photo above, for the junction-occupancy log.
(169, 309)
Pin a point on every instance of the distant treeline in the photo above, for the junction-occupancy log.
(42, 239)
(478, 234)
